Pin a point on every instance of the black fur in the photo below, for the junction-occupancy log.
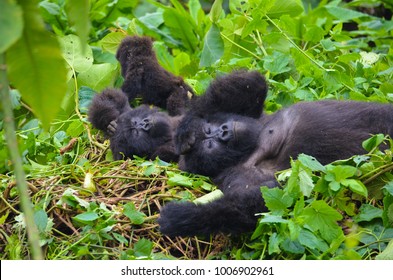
(144, 131)
(145, 77)
(327, 130)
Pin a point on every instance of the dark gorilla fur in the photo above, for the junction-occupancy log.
(143, 131)
(241, 154)
(145, 77)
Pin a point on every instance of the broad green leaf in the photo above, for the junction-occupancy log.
(165, 59)
(73, 53)
(340, 172)
(373, 142)
(175, 179)
(86, 217)
(288, 7)
(311, 162)
(305, 183)
(181, 28)
(112, 41)
(41, 220)
(277, 63)
(389, 187)
(308, 239)
(367, 213)
(292, 246)
(344, 14)
(36, 67)
(273, 219)
(215, 11)
(276, 199)
(213, 47)
(143, 248)
(98, 77)
(11, 24)
(78, 17)
(136, 217)
(86, 94)
(356, 186)
(387, 254)
(196, 11)
(323, 218)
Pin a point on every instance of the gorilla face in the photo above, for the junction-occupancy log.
(210, 144)
(140, 132)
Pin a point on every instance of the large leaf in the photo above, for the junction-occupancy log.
(78, 17)
(73, 53)
(11, 24)
(213, 47)
(288, 7)
(36, 67)
(98, 77)
(181, 28)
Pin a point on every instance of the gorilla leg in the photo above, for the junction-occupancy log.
(233, 213)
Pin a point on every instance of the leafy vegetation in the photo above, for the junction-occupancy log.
(87, 206)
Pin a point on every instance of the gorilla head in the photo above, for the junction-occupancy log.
(144, 131)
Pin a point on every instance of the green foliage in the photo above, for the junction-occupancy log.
(60, 53)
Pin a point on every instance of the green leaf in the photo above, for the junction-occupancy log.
(78, 17)
(311, 163)
(277, 63)
(344, 14)
(356, 186)
(308, 239)
(41, 220)
(143, 248)
(98, 77)
(216, 11)
(387, 254)
(213, 47)
(136, 217)
(276, 199)
(112, 41)
(267, 219)
(73, 53)
(292, 246)
(373, 142)
(305, 183)
(86, 217)
(367, 213)
(323, 218)
(288, 7)
(11, 24)
(389, 187)
(36, 67)
(181, 28)
(340, 172)
(175, 179)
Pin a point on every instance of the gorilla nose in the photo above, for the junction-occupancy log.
(146, 124)
(226, 132)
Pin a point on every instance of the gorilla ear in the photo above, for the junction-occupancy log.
(107, 107)
(242, 92)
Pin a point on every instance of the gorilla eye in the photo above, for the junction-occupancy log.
(207, 130)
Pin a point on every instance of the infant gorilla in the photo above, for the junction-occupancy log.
(147, 132)
(242, 153)
(145, 77)
(144, 131)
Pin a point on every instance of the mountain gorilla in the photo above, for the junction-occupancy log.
(145, 77)
(146, 132)
(242, 153)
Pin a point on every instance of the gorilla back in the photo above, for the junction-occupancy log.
(327, 130)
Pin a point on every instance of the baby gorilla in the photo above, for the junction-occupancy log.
(144, 131)
(242, 153)
(145, 77)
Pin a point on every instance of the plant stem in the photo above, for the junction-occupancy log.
(10, 135)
